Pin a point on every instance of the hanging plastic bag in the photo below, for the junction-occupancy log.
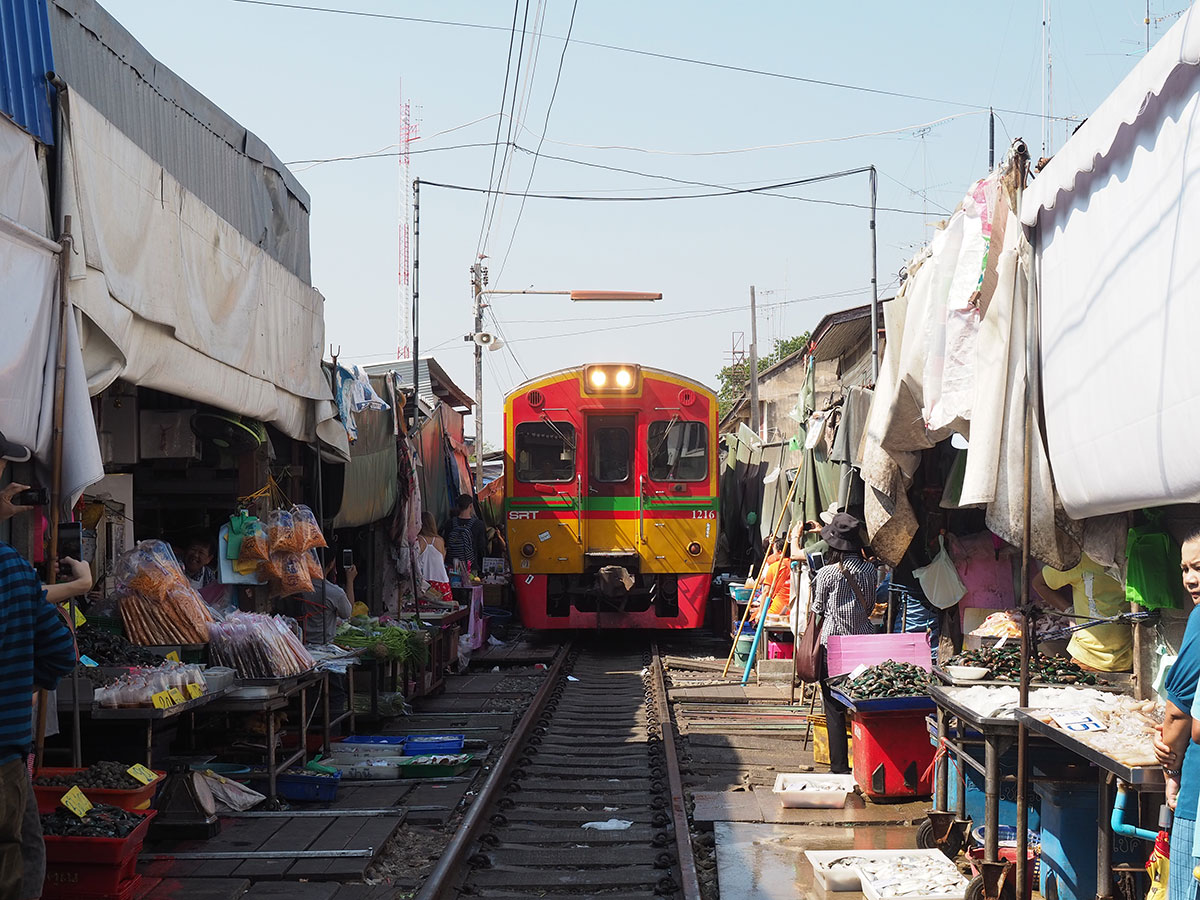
(1152, 578)
(308, 531)
(939, 580)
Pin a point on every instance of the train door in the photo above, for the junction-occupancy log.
(611, 491)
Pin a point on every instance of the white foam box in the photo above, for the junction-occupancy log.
(848, 879)
(357, 768)
(819, 791)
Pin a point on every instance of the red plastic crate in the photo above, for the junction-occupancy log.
(69, 880)
(134, 799)
(99, 850)
(892, 754)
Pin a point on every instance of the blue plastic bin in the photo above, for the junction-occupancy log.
(393, 740)
(1008, 794)
(1069, 823)
(300, 785)
(425, 745)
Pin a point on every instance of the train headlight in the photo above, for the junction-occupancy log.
(694, 548)
(527, 550)
(611, 379)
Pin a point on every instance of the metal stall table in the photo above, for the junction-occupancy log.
(282, 692)
(1141, 778)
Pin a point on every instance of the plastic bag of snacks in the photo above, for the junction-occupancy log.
(315, 571)
(294, 577)
(308, 531)
(282, 533)
(149, 569)
(255, 544)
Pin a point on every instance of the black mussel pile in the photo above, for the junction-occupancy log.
(101, 821)
(889, 679)
(1004, 664)
(106, 649)
(110, 776)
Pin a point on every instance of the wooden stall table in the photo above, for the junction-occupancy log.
(445, 628)
(286, 689)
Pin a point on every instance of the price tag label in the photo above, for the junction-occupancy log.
(162, 700)
(80, 618)
(76, 802)
(1000, 643)
(176, 696)
(1077, 723)
(89, 662)
(195, 691)
(173, 656)
(141, 773)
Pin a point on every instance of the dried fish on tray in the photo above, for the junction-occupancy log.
(1123, 731)
(852, 870)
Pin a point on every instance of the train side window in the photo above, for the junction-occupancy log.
(545, 451)
(678, 450)
(610, 454)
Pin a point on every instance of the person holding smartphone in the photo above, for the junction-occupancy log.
(326, 603)
(37, 649)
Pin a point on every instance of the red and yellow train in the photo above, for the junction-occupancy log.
(611, 497)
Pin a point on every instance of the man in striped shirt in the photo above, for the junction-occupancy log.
(36, 648)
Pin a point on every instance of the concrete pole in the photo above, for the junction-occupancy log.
(755, 424)
(477, 281)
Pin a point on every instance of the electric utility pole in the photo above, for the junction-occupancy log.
(754, 422)
(478, 279)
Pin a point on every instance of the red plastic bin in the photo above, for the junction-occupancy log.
(68, 880)
(110, 851)
(134, 799)
(892, 754)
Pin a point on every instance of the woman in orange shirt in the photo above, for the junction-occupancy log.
(775, 581)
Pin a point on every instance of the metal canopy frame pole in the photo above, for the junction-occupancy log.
(1029, 623)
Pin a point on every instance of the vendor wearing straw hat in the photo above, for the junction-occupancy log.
(844, 593)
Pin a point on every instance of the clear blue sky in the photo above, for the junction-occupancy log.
(319, 84)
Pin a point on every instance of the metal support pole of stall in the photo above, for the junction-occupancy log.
(1029, 624)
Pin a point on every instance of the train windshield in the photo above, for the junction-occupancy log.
(678, 450)
(545, 451)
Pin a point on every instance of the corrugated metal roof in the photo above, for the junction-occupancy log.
(227, 167)
(435, 385)
(25, 58)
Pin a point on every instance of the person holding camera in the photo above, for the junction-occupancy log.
(37, 648)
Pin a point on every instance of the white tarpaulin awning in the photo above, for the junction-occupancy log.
(1117, 216)
(29, 339)
(176, 299)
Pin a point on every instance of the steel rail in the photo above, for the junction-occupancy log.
(453, 858)
(689, 883)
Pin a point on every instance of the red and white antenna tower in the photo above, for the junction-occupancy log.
(409, 131)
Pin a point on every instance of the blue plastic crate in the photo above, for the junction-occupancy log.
(424, 745)
(391, 740)
(300, 785)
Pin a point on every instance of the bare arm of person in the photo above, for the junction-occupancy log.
(80, 583)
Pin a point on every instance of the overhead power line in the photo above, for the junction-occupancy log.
(693, 61)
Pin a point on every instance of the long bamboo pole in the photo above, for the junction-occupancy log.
(762, 566)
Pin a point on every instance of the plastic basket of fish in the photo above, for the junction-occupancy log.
(347, 748)
(838, 870)
(912, 878)
(426, 744)
(809, 791)
(366, 768)
(443, 765)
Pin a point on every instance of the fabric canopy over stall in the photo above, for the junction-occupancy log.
(177, 299)
(29, 341)
(370, 489)
(1117, 216)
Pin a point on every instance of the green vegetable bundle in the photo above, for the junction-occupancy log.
(385, 642)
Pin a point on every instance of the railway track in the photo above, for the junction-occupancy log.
(586, 799)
